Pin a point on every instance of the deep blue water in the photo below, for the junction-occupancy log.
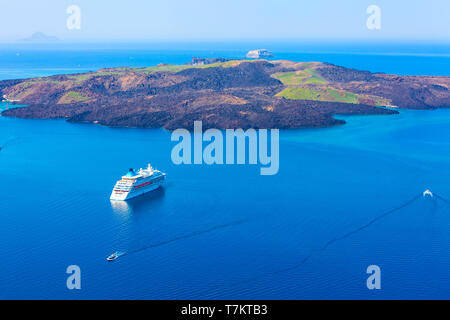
(225, 231)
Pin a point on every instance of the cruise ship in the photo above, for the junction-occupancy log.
(134, 184)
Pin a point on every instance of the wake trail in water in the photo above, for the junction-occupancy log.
(3, 145)
(350, 233)
(185, 236)
(334, 240)
(445, 200)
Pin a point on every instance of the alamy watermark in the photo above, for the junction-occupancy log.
(74, 19)
(235, 142)
(74, 280)
(374, 20)
(374, 280)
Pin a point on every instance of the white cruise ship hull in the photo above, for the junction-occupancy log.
(136, 193)
(135, 184)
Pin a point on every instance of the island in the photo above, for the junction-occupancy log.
(222, 94)
(259, 53)
(40, 37)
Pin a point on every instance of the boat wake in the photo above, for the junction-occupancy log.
(182, 237)
(6, 143)
(425, 195)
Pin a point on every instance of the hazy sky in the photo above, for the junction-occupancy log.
(228, 19)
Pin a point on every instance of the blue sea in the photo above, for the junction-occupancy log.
(224, 231)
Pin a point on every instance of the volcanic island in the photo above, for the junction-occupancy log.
(223, 94)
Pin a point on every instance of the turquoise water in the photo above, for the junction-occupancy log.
(225, 231)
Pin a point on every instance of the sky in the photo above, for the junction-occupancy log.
(174, 20)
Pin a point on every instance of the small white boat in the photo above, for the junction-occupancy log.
(428, 193)
(112, 257)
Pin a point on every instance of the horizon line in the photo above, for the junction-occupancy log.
(228, 40)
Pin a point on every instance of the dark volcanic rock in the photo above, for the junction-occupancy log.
(341, 74)
(246, 75)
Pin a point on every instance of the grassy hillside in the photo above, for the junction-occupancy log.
(302, 81)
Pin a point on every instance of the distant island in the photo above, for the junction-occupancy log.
(40, 37)
(259, 53)
(223, 94)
